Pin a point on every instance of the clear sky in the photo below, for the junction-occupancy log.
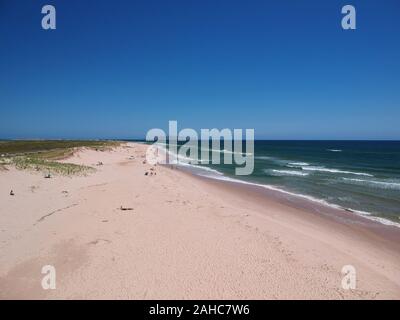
(115, 69)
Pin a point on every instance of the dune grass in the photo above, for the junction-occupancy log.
(18, 147)
(49, 167)
(43, 155)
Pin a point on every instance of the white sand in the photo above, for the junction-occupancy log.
(186, 238)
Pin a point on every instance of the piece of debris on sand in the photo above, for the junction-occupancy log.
(125, 208)
(12, 193)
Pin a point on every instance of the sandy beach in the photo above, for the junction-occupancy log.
(180, 237)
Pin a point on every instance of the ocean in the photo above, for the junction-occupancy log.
(360, 176)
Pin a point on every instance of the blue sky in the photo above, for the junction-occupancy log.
(115, 69)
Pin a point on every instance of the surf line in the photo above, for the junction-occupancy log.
(188, 152)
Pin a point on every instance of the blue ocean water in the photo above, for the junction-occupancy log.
(362, 176)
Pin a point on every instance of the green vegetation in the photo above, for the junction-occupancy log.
(18, 147)
(42, 155)
(47, 166)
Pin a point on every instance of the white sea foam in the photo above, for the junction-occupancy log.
(203, 168)
(323, 169)
(334, 150)
(379, 184)
(265, 158)
(300, 164)
(272, 159)
(286, 172)
(377, 219)
(228, 151)
(179, 159)
(204, 149)
(269, 187)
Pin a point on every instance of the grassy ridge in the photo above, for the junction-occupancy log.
(29, 146)
(42, 155)
(49, 167)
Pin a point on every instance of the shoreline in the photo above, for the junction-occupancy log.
(185, 237)
(215, 174)
(272, 190)
(253, 192)
(298, 201)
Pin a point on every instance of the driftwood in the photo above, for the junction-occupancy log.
(125, 208)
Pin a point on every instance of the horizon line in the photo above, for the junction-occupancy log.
(142, 139)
